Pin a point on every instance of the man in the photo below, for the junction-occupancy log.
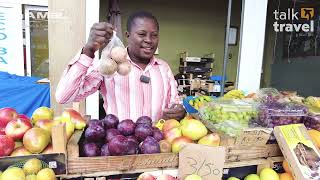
(125, 96)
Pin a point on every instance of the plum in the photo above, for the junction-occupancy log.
(144, 120)
(133, 139)
(157, 134)
(126, 127)
(150, 146)
(105, 150)
(111, 133)
(110, 121)
(91, 149)
(95, 133)
(94, 122)
(118, 145)
(142, 131)
(133, 148)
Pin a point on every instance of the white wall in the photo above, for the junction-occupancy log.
(251, 44)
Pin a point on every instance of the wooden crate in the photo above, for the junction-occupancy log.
(77, 164)
(56, 160)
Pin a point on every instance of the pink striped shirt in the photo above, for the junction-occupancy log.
(124, 96)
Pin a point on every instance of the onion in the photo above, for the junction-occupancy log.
(107, 67)
(124, 68)
(119, 54)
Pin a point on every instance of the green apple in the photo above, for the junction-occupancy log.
(268, 174)
(233, 178)
(252, 177)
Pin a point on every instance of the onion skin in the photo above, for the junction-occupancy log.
(124, 68)
(119, 54)
(107, 67)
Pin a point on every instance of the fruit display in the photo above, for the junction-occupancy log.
(265, 174)
(188, 130)
(148, 176)
(313, 101)
(111, 137)
(116, 61)
(198, 101)
(234, 94)
(23, 136)
(28, 170)
(229, 116)
(273, 112)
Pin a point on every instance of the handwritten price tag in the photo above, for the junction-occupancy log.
(205, 161)
(254, 136)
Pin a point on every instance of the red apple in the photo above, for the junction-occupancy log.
(17, 128)
(36, 140)
(2, 131)
(6, 115)
(169, 124)
(45, 124)
(6, 145)
(22, 116)
(171, 134)
(20, 151)
(179, 143)
(146, 176)
(48, 149)
(165, 177)
(212, 139)
(75, 118)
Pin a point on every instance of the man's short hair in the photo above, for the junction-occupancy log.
(140, 14)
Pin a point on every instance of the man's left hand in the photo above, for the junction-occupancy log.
(175, 112)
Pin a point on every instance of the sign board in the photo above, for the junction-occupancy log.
(254, 136)
(205, 161)
(11, 39)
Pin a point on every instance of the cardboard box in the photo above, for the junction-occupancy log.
(57, 160)
(298, 149)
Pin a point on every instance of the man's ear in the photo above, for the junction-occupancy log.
(127, 34)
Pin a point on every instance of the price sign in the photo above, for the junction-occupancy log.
(254, 136)
(205, 161)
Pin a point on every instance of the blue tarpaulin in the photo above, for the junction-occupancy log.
(23, 93)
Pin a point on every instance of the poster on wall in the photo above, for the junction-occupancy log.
(11, 39)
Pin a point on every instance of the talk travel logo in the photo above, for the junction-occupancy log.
(293, 20)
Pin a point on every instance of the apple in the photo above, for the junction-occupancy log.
(194, 129)
(252, 177)
(13, 173)
(2, 131)
(46, 174)
(233, 178)
(165, 146)
(146, 176)
(22, 116)
(31, 177)
(169, 124)
(165, 177)
(212, 139)
(36, 140)
(32, 166)
(193, 177)
(75, 117)
(42, 113)
(179, 142)
(268, 174)
(17, 144)
(48, 150)
(20, 151)
(171, 134)
(45, 124)
(7, 114)
(17, 128)
(70, 127)
(6, 145)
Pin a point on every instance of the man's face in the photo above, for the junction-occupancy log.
(143, 39)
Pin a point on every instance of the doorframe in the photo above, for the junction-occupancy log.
(27, 9)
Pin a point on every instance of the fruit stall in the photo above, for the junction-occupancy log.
(274, 133)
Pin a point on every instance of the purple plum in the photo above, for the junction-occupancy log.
(144, 120)
(118, 145)
(126, 127)
(111, 133)
(110, 121)
(142, 131)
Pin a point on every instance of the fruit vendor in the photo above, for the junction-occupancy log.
(149, 89)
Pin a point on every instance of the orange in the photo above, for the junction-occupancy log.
(286, 167)
(286, 176)
(315, 136)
